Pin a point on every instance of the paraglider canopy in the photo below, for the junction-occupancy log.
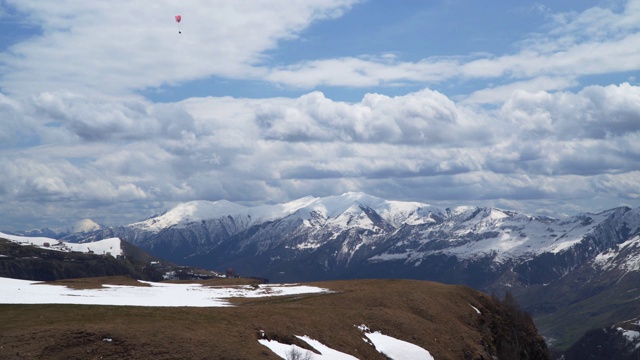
(178, 19)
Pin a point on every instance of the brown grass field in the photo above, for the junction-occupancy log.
(438, 317)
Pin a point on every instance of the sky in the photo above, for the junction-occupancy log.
(110, 110)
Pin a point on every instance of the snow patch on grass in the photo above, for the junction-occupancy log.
(16, 291)
(286, 351)
(393, 348)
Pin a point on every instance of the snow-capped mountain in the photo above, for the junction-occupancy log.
(335, 208)
(356, 234)
(194, 228)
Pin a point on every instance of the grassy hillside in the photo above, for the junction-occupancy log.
(440, 318)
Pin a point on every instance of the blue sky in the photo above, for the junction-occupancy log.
(413, 31)
(109, 113)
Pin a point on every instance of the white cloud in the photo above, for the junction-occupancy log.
(426, 117)
(498, 94)
(596, 112)
(363, 72)
(99, 118)
(61, 181)
(121, 46)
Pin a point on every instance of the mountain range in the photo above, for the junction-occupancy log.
(571, 274)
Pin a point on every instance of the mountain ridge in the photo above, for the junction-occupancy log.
(359, 226)
(420, 229)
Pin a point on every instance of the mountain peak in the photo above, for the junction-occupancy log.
(192, 211)
(85, 225)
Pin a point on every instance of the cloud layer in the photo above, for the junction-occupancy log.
(78, 140)
(558, 147)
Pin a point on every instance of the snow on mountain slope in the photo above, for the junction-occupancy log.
(343, 210)
(189, 212)
(346, 210)
(625, 256)
(194, 211)
(333, 206)
(478, 232)
(110, 246)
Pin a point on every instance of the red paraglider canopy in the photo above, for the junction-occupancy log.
(178, 18)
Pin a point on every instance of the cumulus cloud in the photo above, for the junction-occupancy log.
(98, 118)
(62, 180)
(425, 117)
(595, 112)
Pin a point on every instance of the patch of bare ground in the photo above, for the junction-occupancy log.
(96, 282)
(219, 281)
(440, 318)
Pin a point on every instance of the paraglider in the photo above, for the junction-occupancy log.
(178, 19)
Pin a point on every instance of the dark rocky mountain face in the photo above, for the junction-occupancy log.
(485, 248)
(550, 265)
(620, 341)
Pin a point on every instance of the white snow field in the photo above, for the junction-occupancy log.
(16, 291)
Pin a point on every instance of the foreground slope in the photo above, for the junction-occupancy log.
(451, 322)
